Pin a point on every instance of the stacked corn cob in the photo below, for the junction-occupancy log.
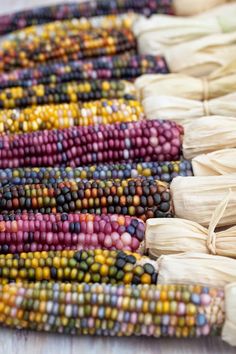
(82, 171)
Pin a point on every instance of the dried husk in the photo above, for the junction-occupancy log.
(216, 163)
(159, 32)
(196, 268)
(208, 134)
(184, 111)
(189, 8)
(220, 83)
(165, 236)
(196, 198)
(202, 56)
(229, 329)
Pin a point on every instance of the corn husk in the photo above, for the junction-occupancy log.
(202, 56)
(229, 329)
(208, 134)
(220, 83)
(187, 8)
(225, 9)
(196, 198)
(166, 236)
(216, 163)
(160, 32)
(184, 111)
(196, 268)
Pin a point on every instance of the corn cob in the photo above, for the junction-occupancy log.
(27, 232)
(86, 44)
(63, 93)
(54, 116)
(22, 19)
(164, 171)
(121, 142)
(103, 309)
(92, 266)
(134, 197)
(124, 66)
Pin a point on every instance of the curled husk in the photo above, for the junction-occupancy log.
(216, 163)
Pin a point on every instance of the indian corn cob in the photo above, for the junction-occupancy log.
(40, 15)
(64, 93)
(121, 142)
(164, 171)
(103, 309)
(135, 197)
(77, 266)
(123, 66)
(54, 116)
(86, 44)
(29, 232)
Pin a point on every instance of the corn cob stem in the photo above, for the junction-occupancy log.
(95, 266)
(121, 142)
(135, 197)
(124, 66)
(86, 44)
(54, 116)
(44, 232)
(164, 171)
(104, 309)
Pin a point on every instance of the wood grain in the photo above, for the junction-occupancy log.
(23, 342)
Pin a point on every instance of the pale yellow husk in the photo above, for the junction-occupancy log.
(229, 328)
(196, 268)
(196, 198)
(189, 8)
(208, 134)
(216, 163)
(220, 83)
(166, 236)
(160, 32)
(202, 56)
(185, 111)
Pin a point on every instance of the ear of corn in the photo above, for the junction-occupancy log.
(104, 309)
(145, 198)
(26, 232)
(61, 116)
(155, 140)
(123, 66)
(93, 266)
(164, 171)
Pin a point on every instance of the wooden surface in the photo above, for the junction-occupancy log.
(22, 342)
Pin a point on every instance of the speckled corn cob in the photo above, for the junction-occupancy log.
(86, 44)
(134, 197)
(121, 142)
(67, 115)
(116, 310)
(164, 171)
(63, 93)
(89, 266)
(28, 232)
(40, 15)
(124, 66)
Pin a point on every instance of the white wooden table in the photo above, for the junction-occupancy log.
(22, 342)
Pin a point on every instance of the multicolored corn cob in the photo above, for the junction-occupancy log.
(40, 15)
(134, 197)
(155, 140)
(124, 66)
(67, 115)
(85, 44)
(116, 310)
(92, 266)
(28, 232)
(164, 171)
(63, 93)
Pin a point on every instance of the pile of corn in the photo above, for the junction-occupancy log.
(93, 180)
